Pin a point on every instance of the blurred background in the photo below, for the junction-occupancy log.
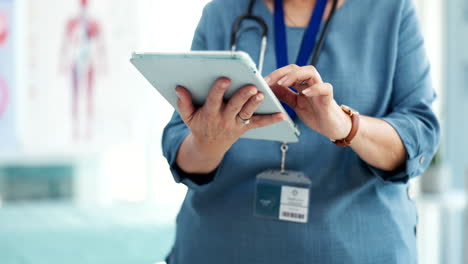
(82, 178)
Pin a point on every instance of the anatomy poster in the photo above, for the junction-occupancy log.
(7, 77)
(79, 86)
(82, 60)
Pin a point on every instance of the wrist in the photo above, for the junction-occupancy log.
(346, 124)
(206, 150)
(353, 116)
(196, 158)
(343, 124)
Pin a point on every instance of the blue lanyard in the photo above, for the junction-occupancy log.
(308, 41)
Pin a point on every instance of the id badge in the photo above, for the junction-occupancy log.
(282, 196)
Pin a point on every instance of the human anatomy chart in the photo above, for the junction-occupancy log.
(78, 86)
(82, 55)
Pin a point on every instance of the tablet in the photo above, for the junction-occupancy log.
(198, 70)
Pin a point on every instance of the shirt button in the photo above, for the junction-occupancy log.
(422, 159)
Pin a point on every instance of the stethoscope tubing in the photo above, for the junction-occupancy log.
(264, 36)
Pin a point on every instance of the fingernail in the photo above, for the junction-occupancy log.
(178, 94)
(259, 97)
(282, 80)
(282, 117)
(307, 91)
(224, 85)
(252, 92)
(267, 80)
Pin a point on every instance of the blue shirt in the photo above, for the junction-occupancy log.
(375, 59)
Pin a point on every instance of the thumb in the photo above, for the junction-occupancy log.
(285, 95)
(184, 103)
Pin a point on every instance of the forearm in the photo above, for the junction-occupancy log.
(193, 159)
(378, 144)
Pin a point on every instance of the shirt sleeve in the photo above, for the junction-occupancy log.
(173, 135)
(199, 41)
(411, 111)
(176, 131)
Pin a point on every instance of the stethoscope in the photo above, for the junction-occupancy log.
(260, 21)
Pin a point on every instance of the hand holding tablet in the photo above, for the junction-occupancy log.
(201, 92)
